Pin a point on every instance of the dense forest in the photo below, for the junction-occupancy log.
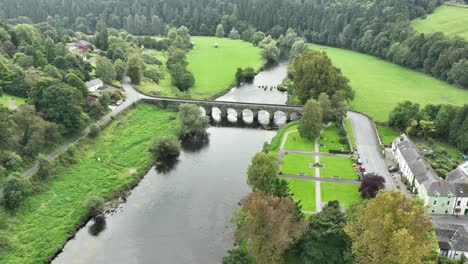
(379, 28)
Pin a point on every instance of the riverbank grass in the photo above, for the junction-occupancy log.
(298, 163)
(349, 130)
(109, 165)
(379, 85)
(213, 68)
(451, 20)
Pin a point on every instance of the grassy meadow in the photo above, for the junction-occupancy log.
(380, 85)
(6, 99)
(44, 221)
(451, 20)
(296, 142)
(345, 193)
(304, 191)
(334, 166)
(213, 68)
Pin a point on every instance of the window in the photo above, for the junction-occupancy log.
(435, 202)
(446, 211)
(448, 202)
(433, 211)
(458, 203)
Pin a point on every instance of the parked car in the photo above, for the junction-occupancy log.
(119, 102)
(359, 161)
(362, 169)
(392, 169)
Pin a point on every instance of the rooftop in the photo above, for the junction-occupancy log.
(94, 82)
(452, 237)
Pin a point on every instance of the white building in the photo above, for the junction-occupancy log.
(94, 85)
(453, 240)
(459, 179)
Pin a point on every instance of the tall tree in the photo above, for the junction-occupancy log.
(105, 70)
(262, 172)
(192, 123)
(310, 123)
(220, 31)
(371, 185)
(134, 65)
(391, 229)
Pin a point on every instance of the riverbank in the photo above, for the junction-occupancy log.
(109, 165)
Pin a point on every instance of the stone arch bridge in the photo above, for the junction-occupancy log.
(288, 110)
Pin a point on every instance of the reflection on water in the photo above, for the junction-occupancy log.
(180, 212)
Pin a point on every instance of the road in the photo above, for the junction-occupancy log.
(368, 147)
(132, 96)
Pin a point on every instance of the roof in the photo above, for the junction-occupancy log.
(82, 43)
(94, 82)
(459, 174)
(452, 237)
(422, 171)
(460, 189)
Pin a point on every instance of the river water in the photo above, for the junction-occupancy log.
(182, 215)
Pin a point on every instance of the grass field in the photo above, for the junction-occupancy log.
(44, 221)
(450, 20)
(346, 194)
(380, 85)
(387, 134)
(296, 142)
(349, 130)
(334, 166)
(6, 99)
(303, 190)
(331, 140)
(297, 163)
(276, 141)
(213, 68)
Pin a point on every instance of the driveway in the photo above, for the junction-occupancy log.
(369, 147)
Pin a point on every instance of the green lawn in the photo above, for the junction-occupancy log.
(213, 68)
(349, 130)
(387, 134)
(6, 100)
(380, 85)
(450, 20)
(334, 166)
(276, 141)
(44, 221)
(297, 163)
(296, 142)
(303, 190)
(331, 140)
(345, 193)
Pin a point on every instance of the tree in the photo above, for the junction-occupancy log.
(102, 37)
(262, 172)
(271, 52)
(105, 70)
(192, 123)
(325, 240)
(75, 82)
(236, 256)
(310, 123)
(234, 34)
(391, 229)
(371, 185)
(258, 37)
(220, 31)
(298, 47)
(9, 48)
(52, 71)
(403, 114)
(325, 105)
(166, 147)
(314, 74)
(14, 189)
(39, 60)
(135, 65)
(459, 73)
(270, 225)
(181, 77)
(6, 125)
(94, 206)
(119, 67)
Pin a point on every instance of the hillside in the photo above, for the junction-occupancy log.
(450, 20)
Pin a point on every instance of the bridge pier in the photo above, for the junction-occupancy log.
(208, 112)
(272, 117)
(224, 113)
(240, 115)
(255, 116)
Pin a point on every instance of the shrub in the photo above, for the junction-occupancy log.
(151, 60)
(166, 147)
(14, 161)
(4, 242)
(94, 206)
(236, 256)
(152, 74)
(94, 131)
(45, 168)
(15, 190)
(343, 141)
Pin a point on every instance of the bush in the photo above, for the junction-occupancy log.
(45, 168)
(236, 256)
(343, 141)
(94, 206)
(152, 74)
(151, 60)
(339, 151)
(15, 189)
(14, 161)
(4, 242)
(94, 131)
(166, 147)
(245, 75)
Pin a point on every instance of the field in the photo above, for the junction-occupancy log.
(296, 142)
(450, 20)
(334, 166)
(303, 190)
(42, 224)
(6, 99)
(387, 134)
(380, 85)
(213, 68)
(297, 163)
(332, 140)
(346, 194)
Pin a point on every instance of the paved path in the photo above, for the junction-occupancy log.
(369, 147)
(132, 96)
(314, 153)
(318, 192)
(321, 179)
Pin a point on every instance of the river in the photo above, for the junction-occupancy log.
(183, 215)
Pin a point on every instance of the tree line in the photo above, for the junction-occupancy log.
(379, 28)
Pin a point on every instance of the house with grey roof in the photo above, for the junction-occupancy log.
(94, 85)
(437, 194)
(459, 179)
(453, 240)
